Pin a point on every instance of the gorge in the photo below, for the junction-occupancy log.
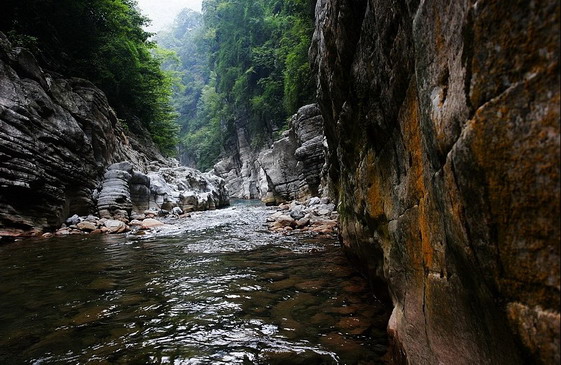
(434, 130)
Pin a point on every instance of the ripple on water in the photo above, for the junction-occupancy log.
(216, 288)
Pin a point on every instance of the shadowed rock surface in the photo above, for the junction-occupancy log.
(57, 135)
(442, 120)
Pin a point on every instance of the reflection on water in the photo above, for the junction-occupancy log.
(216, 288)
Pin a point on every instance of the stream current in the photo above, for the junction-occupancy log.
(216, 288)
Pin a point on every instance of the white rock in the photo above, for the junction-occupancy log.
(151, 223)
(115, 226)
(314, 201)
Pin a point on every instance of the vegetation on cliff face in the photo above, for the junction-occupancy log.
(240, 63)
(103, 41)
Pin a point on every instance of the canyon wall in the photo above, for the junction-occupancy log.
(442, 121)
(57, 135)
(291, 168)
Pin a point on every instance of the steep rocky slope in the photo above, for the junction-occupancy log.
(291, 168)
(442, 120)
(57, 135)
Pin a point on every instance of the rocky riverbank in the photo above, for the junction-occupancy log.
(128, 199)
(316, 216)
(57, 135)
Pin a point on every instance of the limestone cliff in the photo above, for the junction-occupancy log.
(442, 120)
(291, 168)
(57, 135)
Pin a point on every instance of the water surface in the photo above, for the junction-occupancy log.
(216, 288)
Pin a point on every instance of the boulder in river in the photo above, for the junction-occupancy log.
(127, 194)
(115, 226)
(150, 223)
(86, 226)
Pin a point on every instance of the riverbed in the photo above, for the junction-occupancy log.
(215, 288)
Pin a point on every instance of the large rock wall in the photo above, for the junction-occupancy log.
(291, 168)
(442, 120)
(57, 135)
(126, 193)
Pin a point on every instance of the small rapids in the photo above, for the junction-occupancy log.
(216, 288)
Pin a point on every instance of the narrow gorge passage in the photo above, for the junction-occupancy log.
(215, 288)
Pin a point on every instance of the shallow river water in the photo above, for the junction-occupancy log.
(216, 288)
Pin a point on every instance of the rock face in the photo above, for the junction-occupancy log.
(114, 200)
(188, 189)
(290, 169)
(442, 120)
(126, 193)
(57, 135)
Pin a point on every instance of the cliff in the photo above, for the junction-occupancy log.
(57, 135)
(442, 120)
(291, 168)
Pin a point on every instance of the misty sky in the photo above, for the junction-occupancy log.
(163, 12)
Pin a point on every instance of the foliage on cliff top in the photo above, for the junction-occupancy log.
(103, 41)
(243, 63)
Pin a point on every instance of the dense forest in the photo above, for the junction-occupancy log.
(104, 42)
(242, 64)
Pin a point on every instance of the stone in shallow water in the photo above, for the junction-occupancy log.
(285, 220)
(151, 223)
(135, 222)
(115, 226)
(301, 223)
(86, 226)
(88, 315)
(295, 358)
(297, 212)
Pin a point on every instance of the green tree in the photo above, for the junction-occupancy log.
(257, 54)
(103, 41)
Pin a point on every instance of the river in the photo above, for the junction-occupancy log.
(216, 288)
